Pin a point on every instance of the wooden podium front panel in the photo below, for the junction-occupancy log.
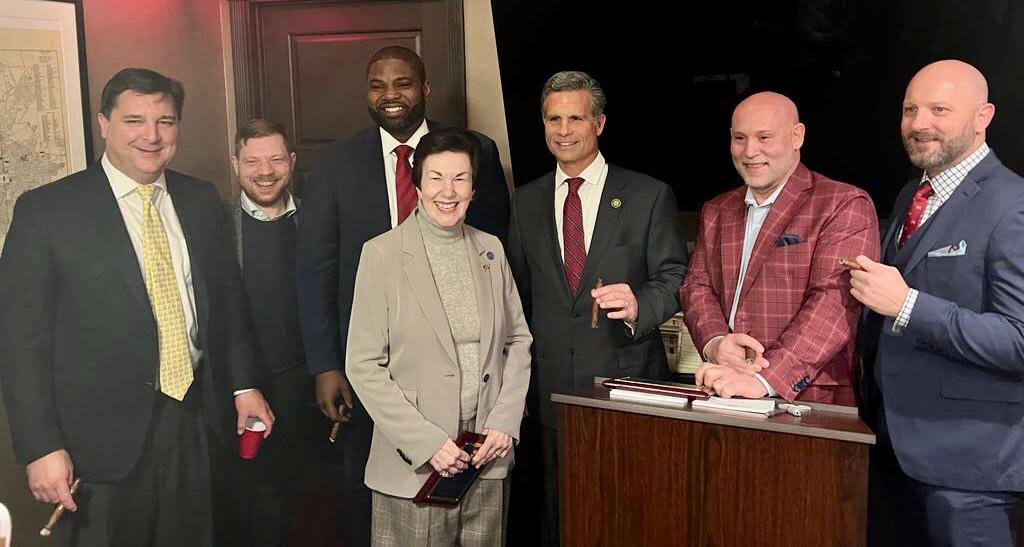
(633, 479)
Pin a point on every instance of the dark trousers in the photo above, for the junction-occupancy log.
(903, 512)
(259, 496)
(164, 501)
(550, 524)
(354, 442)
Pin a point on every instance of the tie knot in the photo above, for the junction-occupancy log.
(146, 191)
(403, 151)
(925, 190)
(574, 184)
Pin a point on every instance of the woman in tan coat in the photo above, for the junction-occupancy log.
(438, 344)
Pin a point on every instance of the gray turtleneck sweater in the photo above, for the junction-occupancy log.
(449, 262)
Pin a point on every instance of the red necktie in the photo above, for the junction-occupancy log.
(405, 192)
(574, 250)
(912, 221)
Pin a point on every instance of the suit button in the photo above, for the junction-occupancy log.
(487, 377)
(149, 384)
(572, 352)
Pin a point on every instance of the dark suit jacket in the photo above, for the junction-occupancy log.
(639, 243)
(953, 381)
(78, 335)
(345, 204)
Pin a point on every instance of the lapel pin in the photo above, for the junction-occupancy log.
(490, 255)
(616, 203)
(487, 268)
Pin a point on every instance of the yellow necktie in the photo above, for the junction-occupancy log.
(175, 360)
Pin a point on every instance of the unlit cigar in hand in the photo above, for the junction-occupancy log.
(57, 512)
(333, 437)
(749, 355)
(595, 309)
(850, 264)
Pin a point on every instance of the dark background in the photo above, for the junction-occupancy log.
(674, 72)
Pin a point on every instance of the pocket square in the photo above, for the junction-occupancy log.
(954, 249)
(788, 239)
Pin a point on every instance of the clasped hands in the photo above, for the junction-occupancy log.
(451, 459)
(727, 374)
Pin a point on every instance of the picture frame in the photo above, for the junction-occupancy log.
(44, 99)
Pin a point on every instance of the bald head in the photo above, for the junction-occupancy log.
(766, 139)
(768, 102)
(945, 114)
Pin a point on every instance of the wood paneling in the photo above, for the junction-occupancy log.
(632, 479)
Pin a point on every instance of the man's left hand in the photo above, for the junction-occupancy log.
(619, 298)
(725, 381)
(252, 403)
(879, 287)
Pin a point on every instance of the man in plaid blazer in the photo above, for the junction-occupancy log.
(765, 273)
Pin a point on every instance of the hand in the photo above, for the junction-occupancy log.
(879, 287)
(449, 459)
(50, 478)
(496, 444)
(620, 298)
(330, 386)
(729, 351)
(252, 403)
(726, 382)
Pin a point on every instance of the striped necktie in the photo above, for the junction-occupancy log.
(162, 287)
(405, 190)
(574, 249)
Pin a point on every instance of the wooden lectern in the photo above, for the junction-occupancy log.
(638, 474)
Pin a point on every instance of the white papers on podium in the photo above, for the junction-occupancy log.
(752, 406)
(649, 398)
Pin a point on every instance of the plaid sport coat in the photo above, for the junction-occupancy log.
(795, 298)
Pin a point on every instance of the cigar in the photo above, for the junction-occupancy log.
(57, 512)
(595, 309)
(333, 437)
(749, 355)
(850, 264)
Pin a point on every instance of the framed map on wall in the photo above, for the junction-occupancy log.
(43, 97)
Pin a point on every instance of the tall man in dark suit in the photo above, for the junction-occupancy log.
(124, 330)
(589, 220)
(947, 325)
(357, 189)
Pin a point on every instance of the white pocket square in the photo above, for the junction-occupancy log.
(956, 249)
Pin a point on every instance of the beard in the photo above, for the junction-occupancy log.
(407, 123)
(949, 150)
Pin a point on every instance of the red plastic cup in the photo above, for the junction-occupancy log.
(249, 442)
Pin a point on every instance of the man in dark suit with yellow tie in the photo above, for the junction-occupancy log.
(123, 330)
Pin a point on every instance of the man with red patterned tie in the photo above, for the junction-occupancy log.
(586, 221)
(357, 189)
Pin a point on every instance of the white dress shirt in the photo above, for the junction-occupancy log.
(250, 208)
(388, 144)
(130, 203)
(590, 198)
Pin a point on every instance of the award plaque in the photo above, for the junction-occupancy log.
(449, 491)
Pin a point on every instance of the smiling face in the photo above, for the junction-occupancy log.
(570, 130)
(446, 187)
(766, 137)
(396, 97)
(141, 135)
(264, 169)
(945, 115)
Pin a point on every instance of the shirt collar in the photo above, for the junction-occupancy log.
(122, 184)
(250, 208)
(946, 182)
(751, 201)
(590, 175)
(388, 142)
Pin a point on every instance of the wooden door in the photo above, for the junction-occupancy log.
(303, 63)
